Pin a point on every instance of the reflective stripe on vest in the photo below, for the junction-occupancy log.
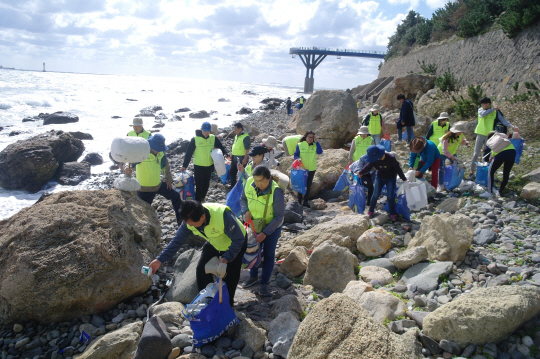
(452, 146)
(375, 124)
(360, 146)
(485, 124)
(308, 155)
(149, 170)
(438, 132)
(238, 148)
(145, 134)
(256, 204)
(509, 147)
(214, 232)
(291, 142)
(203, 148)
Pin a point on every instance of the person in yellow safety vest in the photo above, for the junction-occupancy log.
(263, 200)
(200, 147)
(375, 124)
(270, 143)
(225, 238)
(301, 100)
(358, 104)
(149, 171)
(138, 129)
(438, 128)
(257, 158)
(360, 144)
(448, 146)
(506, 157)
(240, 149)
(289, 144)
(307, 150)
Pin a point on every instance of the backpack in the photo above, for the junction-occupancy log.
(498, 142)
(498, 126)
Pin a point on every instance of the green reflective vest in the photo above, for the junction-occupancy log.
(144, 134)
(214, 232)
(452, 146)
(238, 148)
(256, 204)
(301, 100)
(360, 146)
(308, 155)
(291, 142)
(438, 131)
(203, 148)
(509, 147)
(149, 170)
(485, 124)
(375, 124)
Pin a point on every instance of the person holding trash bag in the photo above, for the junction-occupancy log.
(263, 202)
(429, 158)
(307, 150)
(448, 146)
(438, 128)
(257, 158)
(375, 124)
(200, 147)
(505, 157)
(360, 144)
(367, 179)
(388, 169)
(225, 236)
(149, 171)
(240, 149)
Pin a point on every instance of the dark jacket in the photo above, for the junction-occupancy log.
(406, 114)
(289, 104)
(386, 168)
(191, 148)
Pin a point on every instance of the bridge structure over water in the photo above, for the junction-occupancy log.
(313, 56)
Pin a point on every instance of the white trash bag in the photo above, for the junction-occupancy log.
(126, 183)
(219, 161)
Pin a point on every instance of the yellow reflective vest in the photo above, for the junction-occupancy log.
(256, 204)
(438, 131)
(360, 146)
(203, 148)
(149, 170)
(485, 124)
(291, 142)
(374, 125)
(238, 148)
(144, 134)
(308, 155)
(452, 146)
(509, 147)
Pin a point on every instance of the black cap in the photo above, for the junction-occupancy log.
(258, 150)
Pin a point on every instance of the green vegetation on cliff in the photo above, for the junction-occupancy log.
(464, 18)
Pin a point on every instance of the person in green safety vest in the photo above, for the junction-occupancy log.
(264, 201)
(149, 171)
(307, 150)
(360, 144)
(375, 124)
(289, 144)
(448, 146)
(358, 102)
(257, 158)
(200, 147)
(506, 157)
(240, 149)
(438, 128)
(225, 238)
(301, 101)
(138, 129)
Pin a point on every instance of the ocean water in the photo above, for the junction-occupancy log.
(96, 98)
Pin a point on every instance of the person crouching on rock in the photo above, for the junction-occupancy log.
(430, 157)
(225, 236)
(307, 150)
(149, 175)
(367, 179)
(388, 169)
(263, 201)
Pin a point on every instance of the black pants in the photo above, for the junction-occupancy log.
(233, 269)
(367, 181)
(305, 197)
(493, 167)
(234, 170)
(202, 176)
(170, 194)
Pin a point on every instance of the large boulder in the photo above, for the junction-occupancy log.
(531, 191)
(60, 118)
(169, 312)
(73, 173)
(93, 158)
(155, 341)
(339, 230)
(120, 344)
(487, 315)
(29, 164)
(330, 267)
(295, 263)
(408, 85)
(339, 327)
(446, 237)
(374, 242)
(75, 253)
(332, 115)
(281, 332)
(183, 286)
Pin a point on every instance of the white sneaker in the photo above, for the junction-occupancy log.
(486, 195)
(496, 193)
(440, 188)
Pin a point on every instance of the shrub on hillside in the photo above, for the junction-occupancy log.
(430, 69)
(447, 82)
(519, 14)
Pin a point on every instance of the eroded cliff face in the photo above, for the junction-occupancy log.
(491, 60)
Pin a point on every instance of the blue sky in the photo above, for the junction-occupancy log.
(226, 40)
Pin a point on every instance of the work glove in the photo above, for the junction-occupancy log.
(221, 270)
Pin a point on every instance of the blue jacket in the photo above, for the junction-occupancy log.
(406, 114)
(428, 156)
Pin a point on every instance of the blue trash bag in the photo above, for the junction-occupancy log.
(297, 106)
(401, 207)
(227, 176)
(188, 192)
(453, 175)
(482, 173)
(233, 197)
(343, 182)
(357, 197)
(213, 320)
(387, 145)
(290, 111)
(518, 144)
(404, 133)
(299, 180)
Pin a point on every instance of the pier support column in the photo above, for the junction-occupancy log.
(308, 84)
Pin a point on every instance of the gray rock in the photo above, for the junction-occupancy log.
(238, 344)
(281, 332)
(97, 321)
(223, 342)
(490, 349)
(184, 283)
(155, 341)
(381, 263)
(417, 316)
(484, 236)
(208, 351)
(449, 347)
(429, 343)
(468, 351)
(181, 341)
(282, 281)
(288, 303)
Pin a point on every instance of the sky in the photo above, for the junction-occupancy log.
(245, 41)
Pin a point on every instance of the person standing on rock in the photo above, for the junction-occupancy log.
(200, 147)
(448, 147)
(375, 124)
(360, 144)
(149, 172)
(138, 129)
(289, 106)
(225, 238)
(406, 118)
(438, 128)
(301, 101)
(257, 158)
(289, 144)
(388, 169)
(240, 149)
(429, 158)
(270, 144)
(263, 201)
(506, 157)
(307, 150)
